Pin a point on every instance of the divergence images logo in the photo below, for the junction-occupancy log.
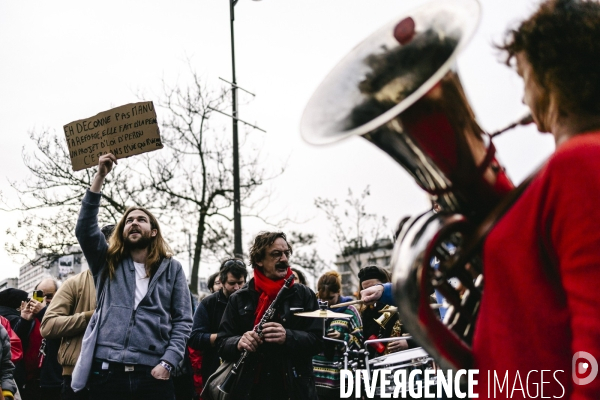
(582, 364)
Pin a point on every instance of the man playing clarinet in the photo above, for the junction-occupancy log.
(279, 365)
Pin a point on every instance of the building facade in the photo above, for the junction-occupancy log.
(353, 258)
(56, 267)
(9, 283)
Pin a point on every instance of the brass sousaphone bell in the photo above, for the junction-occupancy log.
(400, 90)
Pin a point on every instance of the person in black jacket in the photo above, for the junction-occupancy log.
(208, 315)
(279, 365)
(10, 303)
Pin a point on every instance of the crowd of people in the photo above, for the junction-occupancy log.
(153, 339)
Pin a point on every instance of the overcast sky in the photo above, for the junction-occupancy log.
(67, 60)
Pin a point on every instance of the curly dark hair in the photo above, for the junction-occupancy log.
(261, 242)
(560, 41)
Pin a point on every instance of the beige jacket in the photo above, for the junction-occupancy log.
(68, 315)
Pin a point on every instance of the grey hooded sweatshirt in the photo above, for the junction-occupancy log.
(160, 325)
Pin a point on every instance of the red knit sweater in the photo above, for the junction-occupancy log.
(541, 301)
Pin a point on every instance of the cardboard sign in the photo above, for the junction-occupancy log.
(123, 131)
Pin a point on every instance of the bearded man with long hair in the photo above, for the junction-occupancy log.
(146, 314)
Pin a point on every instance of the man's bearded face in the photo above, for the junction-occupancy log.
(138, 232)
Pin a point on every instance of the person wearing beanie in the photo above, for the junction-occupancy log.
(369, 276)
(10, 301)
(372, 275)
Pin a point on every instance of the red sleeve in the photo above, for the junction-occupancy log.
(572, 227)
(16, 348)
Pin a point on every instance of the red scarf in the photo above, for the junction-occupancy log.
(268, 290)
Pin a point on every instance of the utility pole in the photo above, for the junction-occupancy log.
(237, 212)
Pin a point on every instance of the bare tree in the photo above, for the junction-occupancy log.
(354, 230)
(195, 178)
(188, 184)
(305, 255)
(50, 200)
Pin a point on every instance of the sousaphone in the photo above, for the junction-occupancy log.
(400, 90)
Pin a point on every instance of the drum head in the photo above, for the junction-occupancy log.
(401, 357)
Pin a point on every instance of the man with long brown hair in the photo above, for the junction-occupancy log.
(146, 314)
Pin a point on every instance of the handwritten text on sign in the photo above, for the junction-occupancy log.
(123, 131)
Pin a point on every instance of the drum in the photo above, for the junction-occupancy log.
(408, 360)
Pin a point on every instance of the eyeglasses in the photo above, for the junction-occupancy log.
(277, 254)
(231, 262)
(49, 296)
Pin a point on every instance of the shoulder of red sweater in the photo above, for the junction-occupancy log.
(578, 151)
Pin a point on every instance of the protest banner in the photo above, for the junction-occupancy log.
(124, 131)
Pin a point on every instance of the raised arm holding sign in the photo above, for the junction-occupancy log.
(105, 165)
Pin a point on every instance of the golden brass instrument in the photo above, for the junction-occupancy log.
(386, 315)
(400, 90)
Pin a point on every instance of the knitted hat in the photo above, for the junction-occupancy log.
(372, 272)
(12, 297)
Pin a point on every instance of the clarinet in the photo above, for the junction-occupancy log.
(231, 377)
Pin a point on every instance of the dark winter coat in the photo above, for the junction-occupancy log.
(274, 371)
(207, 319)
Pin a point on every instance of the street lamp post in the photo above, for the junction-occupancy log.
(237, 213)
